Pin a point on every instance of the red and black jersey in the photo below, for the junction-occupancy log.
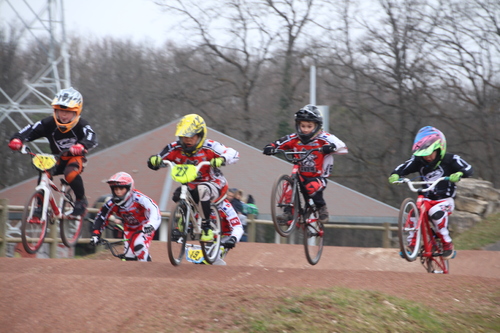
(210, 150)
(139, 211)
(317, 164)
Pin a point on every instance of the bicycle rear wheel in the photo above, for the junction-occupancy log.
(211, 250)
(436, 264)
(70, 228)
(284, 208)
(409, 231)
(313, 238)
(177, 233)
(33, 224)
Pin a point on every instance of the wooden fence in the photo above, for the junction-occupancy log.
(53, 237)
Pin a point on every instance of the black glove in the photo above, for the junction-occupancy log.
(330, 148)
(95, 239)
(270, 149)
(148, 229)
(230, 243)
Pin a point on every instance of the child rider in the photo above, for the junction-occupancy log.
(316, 167)
(65, 130)
(431, 160)
(136, 210)
(193, 147)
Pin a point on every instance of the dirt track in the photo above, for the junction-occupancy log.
(107, 295)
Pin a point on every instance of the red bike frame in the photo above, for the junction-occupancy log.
(428, 244)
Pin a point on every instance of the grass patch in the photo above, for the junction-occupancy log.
(345, 310)
(484, 233)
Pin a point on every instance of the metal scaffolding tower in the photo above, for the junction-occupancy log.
(46, 27)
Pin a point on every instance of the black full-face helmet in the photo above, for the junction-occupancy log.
(308, 113)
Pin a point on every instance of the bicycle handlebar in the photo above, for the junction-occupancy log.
(27, 150)
(166, 163)
(410, 183)
(289, 154)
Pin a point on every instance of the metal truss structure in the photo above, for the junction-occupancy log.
(46, 27)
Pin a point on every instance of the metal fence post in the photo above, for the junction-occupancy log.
(4, 216)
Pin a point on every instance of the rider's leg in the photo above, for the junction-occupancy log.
(139, 247)
(314, 188)
(72, 168)
(439, 216)
(206, 193)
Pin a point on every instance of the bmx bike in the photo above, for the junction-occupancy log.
(48, 204)
(292, 208)
(185, 220)
(118, 248)
(417, 235)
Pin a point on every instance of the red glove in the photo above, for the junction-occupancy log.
(77, 150)
(15, 144)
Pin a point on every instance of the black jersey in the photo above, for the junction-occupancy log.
(82, 133)
(450, 164)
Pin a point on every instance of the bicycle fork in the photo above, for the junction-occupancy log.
(48, 199)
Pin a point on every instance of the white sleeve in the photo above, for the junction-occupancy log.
(154, 217)
(230, 155)
(341, 146)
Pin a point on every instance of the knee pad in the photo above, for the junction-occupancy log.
(71, 172)
(138, 247)
(204, 192)
(437, 215)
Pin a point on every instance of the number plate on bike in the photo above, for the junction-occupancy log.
(194, 254)
(43, 161)
(184, 173)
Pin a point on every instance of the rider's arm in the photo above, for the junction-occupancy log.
(30, 132)
(101, 220)
(460, 165)
(168, 149)
(410, 166)
(152, 210)
(87, 137)
(230, 155)
(340, 146)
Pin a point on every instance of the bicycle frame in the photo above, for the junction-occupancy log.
(186, 220)
(428, 244)
(192, 211)
(44, 207)
(305, 215)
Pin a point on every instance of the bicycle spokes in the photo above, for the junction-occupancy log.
(33, 224)
(313, 240)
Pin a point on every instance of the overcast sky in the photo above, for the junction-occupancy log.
(140, 20)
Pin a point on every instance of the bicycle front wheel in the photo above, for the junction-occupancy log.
(211, 250)
(313, 239)
(284, 206)
(177, 233)
(70, 227)
(409, 231)
(33, 224)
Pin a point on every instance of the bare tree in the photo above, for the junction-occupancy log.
(467, 60)
(233, 45)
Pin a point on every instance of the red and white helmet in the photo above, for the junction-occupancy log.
(121, 179)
